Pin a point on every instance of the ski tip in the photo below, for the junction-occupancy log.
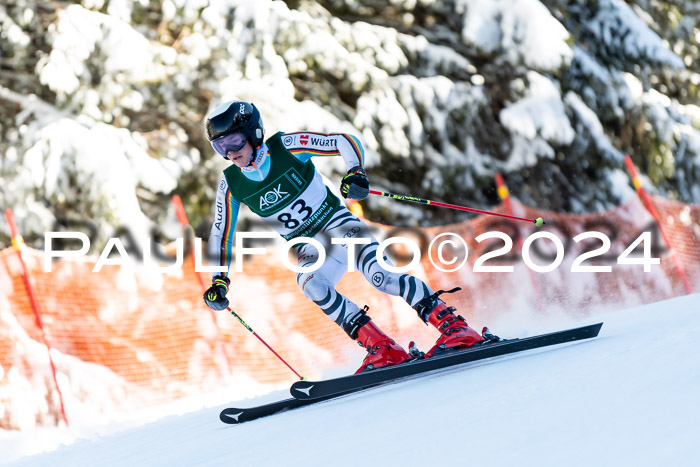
(231, 416)
(304, 378)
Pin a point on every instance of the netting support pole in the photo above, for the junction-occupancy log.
(641, 192)
(17, 243)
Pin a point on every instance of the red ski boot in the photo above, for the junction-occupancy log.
(456, 333)
(381, 350)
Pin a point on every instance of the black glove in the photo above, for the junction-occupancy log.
(215, 296)
(355, 185)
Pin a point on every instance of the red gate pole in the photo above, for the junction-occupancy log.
(641, 192)
(185, 223)
(504, 194)
(17, 242)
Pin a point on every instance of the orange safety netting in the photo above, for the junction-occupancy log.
(158, 341)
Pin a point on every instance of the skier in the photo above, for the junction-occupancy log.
(277, 181)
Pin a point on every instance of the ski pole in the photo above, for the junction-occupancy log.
(538, 222)
(235, 315)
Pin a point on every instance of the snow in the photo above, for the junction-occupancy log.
(439, 59)
(619, 185)
(590, 121)
(520, 30)
(540, 112)
(12, 31)
(109, 163)
(534, 121)
(76, 36)
(618, 28)
(628, 397)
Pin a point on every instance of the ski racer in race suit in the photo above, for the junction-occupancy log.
(277, 180)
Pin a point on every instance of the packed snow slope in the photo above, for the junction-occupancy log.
(626, 398)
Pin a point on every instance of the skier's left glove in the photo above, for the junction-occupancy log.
(215, 296)
(355, 185)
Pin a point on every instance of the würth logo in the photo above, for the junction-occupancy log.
(304, 139)
(323, 142)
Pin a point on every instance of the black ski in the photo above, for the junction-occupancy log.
(236, 416)
(356, 383)
(313, 390)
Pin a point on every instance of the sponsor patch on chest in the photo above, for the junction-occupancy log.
(276, 194)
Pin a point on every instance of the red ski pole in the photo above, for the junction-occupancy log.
(235, 315)
(538, 222)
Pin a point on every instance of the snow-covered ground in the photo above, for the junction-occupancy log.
(626, 398)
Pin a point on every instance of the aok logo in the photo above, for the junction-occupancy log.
(272, 197)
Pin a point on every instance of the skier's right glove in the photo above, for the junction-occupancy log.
(215, 296)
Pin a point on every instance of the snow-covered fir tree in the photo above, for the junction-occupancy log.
(103, 100)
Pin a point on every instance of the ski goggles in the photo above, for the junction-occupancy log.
(230, 142)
